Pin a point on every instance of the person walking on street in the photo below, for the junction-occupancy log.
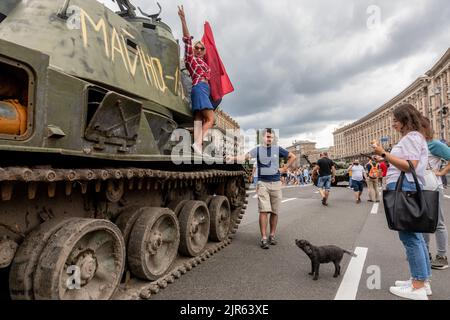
(327, 175)
(269, 183)
(299, 175)
(383, 168)
(358, 177)
(306, 177)
(413, 147)
(374, 174)
(438, 151)
(350, 184)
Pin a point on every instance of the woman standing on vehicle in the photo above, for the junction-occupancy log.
(200, 72)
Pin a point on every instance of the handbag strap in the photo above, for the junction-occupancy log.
(399, 185)
(413, 171)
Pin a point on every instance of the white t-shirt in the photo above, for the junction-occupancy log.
(358, 172)
(412, 147)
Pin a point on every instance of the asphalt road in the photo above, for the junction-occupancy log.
(245, 271)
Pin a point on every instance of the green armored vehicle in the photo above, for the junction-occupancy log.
(341, 172)
(92, 203)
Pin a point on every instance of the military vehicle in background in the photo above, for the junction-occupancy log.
(341, 173)
(91, 204)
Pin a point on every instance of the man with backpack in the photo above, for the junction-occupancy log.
(374, 174)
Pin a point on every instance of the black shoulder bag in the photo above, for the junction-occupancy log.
(416, 211)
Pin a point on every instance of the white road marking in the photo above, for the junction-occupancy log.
(317, 192)
(448, 197)
(350, 283)
(255, 196)
(287, 200)
(375, 208)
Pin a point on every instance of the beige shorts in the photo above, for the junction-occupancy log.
(269, 196)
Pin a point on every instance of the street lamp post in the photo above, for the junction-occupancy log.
(442, 110)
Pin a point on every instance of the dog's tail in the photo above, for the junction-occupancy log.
(350, 253)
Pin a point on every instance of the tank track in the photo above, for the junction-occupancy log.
(133, 178)
(140, 290)
(163, 179)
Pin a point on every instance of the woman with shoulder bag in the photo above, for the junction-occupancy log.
(438, 151)
(412, 147)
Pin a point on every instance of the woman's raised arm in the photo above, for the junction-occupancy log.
(183, 22)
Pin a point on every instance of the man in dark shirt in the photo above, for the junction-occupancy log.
(269, 183)
(327, 173)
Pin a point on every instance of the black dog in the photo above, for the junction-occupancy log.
(325, 254)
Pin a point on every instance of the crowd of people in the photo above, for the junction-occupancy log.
(416, 151)
(300, 176)
(297, 177)
(373, 174)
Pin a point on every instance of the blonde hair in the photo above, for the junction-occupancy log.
(201, 42)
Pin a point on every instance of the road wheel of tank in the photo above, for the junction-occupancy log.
(208, 200)
(27, 257)
(127, 219)
(176, 206)
(84, 260)
(153, 243)
(194, 228)
(219, 210)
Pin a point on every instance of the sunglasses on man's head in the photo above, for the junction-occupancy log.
(199, 48)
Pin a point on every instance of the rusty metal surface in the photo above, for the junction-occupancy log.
(162, 182)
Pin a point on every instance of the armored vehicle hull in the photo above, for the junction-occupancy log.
(92, 203)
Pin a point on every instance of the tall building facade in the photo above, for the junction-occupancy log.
(229, 132)
(301, 148)
(308, 148)
(430, 94)
(224, 121)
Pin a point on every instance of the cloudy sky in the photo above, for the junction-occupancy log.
(309, 67)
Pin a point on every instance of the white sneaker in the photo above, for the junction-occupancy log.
(408, 283)
(409, 293)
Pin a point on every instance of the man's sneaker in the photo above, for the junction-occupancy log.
(440, 263)
(272, 240)
(409, 293)
(408, 283)
(264, 244)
